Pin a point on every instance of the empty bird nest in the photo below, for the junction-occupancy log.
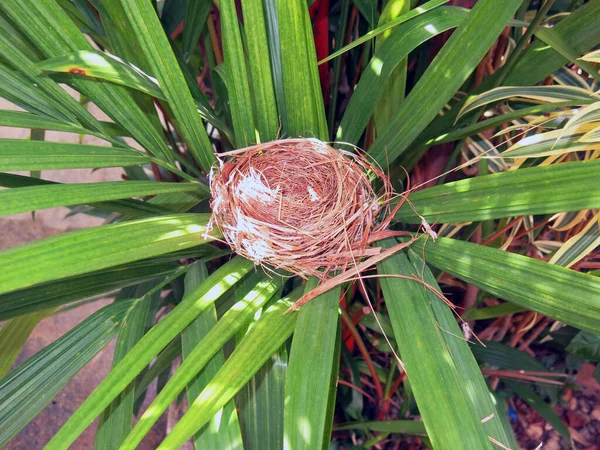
(300, 205)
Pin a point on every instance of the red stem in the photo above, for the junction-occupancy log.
(499, 233)
(364, 352)
(356, 388)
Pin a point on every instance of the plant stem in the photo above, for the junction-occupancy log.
(363, 350)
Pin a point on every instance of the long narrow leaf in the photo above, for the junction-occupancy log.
(20, 119)
(34, 198)
(84, 251)
(428, 6)
(56, 293)
(310, 373)
(267, 121)
(238, 87)
(62, 101)
(503, 416)
(493, 122)
(13, 336)
(579, 30)
(303, 99)
(386, 426)
(580, 245)
(555, 142)
(395, 91)
(235, 318)
(177, 201)
(265, 337)
(272, 25)
(445, 379)
(121, 37)
(163, 361)
(537, 93)
(539, 190)
(17, 154)
(115, 422)
(448, 71)
(156, 49)
(554, 291)
(196, 12)
(132, 207)
(261, 404)
(107, 67)
(55, 34)
(502, 356)
(224, 430)
(592, 56)
(552, 38)
(25, 94)
(397, 46)
(33, 384)
(148, 347)
(97, 64)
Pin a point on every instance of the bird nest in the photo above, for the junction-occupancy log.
(299, 205)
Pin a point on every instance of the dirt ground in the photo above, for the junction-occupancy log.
(580, 411)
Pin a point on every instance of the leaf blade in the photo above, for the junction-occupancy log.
(33, 198)
(551, 290)
(304, 107)
(53, 294)
(47, 371)
(98, 248)
(548, 94)
(17, 154)
(310, 373)
(371, 87)
(267, 122)
(226, 327)
(218, 433)
(148, 347)
(134, 208)
(579, 30)
(267, 335)
(443, 77)
(55, 34)
(115, 421)
(156, 49)
(537, 190)
(578, 246)
(13, 336)
(426, 332)
(236, 72)
(428, 6)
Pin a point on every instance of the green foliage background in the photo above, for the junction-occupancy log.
(256, 378)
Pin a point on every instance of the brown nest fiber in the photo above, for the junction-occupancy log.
(299, 205)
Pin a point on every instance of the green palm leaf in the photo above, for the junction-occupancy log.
(443, 77)
(265, 337)
(554, 291)
(50, 369)
(34, 198)
(538, 190)
(148, 347)
(85, 251)
(447, 383)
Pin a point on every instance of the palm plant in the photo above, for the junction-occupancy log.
(234, 75)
